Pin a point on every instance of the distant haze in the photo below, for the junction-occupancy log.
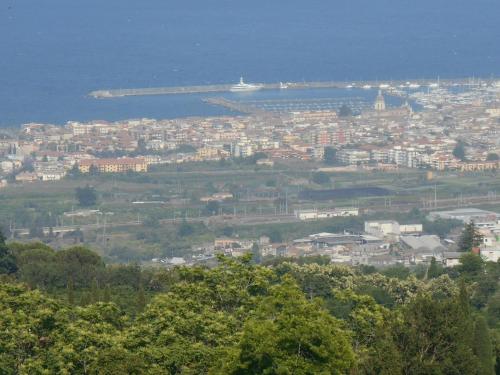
(53, 52)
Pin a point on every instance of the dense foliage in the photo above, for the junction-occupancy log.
(67, 312)
(470, 238)
(86, 196)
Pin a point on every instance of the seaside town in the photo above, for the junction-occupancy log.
(444, 128)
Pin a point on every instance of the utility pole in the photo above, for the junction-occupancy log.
(435, 196)
(11, 229)
(286, 201)
(104, 231)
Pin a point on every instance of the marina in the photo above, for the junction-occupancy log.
(356, 104)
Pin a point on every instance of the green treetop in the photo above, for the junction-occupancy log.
(470, 238)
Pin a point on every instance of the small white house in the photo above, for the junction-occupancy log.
(452, 258)
(176, 261)
(382, 227)
(490, 254)
(411, 228)
(306, 214)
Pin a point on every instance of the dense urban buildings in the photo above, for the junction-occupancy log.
(441, 130)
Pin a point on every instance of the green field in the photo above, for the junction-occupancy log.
(257, 192)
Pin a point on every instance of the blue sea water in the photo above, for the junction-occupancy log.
(53, 52)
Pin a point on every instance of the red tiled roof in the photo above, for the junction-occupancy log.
(122, 161)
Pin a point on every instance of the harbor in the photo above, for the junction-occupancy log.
(278, 107)
(221, 88)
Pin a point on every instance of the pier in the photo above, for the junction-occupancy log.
(202, 89)
(237, 107)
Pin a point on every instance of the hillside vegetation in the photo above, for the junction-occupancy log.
(66, 312)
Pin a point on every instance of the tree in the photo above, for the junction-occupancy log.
(434, 270)
(441, 227)
(370, 324)
(345, 111)
(141, 147)
(185, 149)
(74, 171)
(94, 170)
(212, 208)
(228, 231)
(8, 263)
(329, 155)
(482, 346)
(397, 271)
(118, 360)
(27, 319)
(256, 253)
(459, 150)
(434, 337)
(81, 264)
(94, 291)
(382, 356)
(492, 156)
(321, 178)
(141, 299)
(85, 299)
(470, 238)
(497, 353)
(290, 335)
(86, 196)
(185, 229)
(471, 266)
(493, 311)
(107, 294)
(71, 291)
(275, 236)
(84, 339)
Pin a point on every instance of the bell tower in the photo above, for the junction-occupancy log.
(380, 102)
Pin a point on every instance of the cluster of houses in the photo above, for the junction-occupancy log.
(382, 243)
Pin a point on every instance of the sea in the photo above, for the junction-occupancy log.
(54, 52)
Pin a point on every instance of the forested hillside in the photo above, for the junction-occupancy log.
(66, 312)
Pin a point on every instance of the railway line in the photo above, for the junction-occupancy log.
(277, 218)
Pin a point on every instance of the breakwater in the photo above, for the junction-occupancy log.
(201, 89)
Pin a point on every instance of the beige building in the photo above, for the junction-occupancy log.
(119, 165)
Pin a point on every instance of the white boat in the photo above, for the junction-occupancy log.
(384, 86)
(367, 87)
(283, 85)
(414, 86)
(244, 87)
